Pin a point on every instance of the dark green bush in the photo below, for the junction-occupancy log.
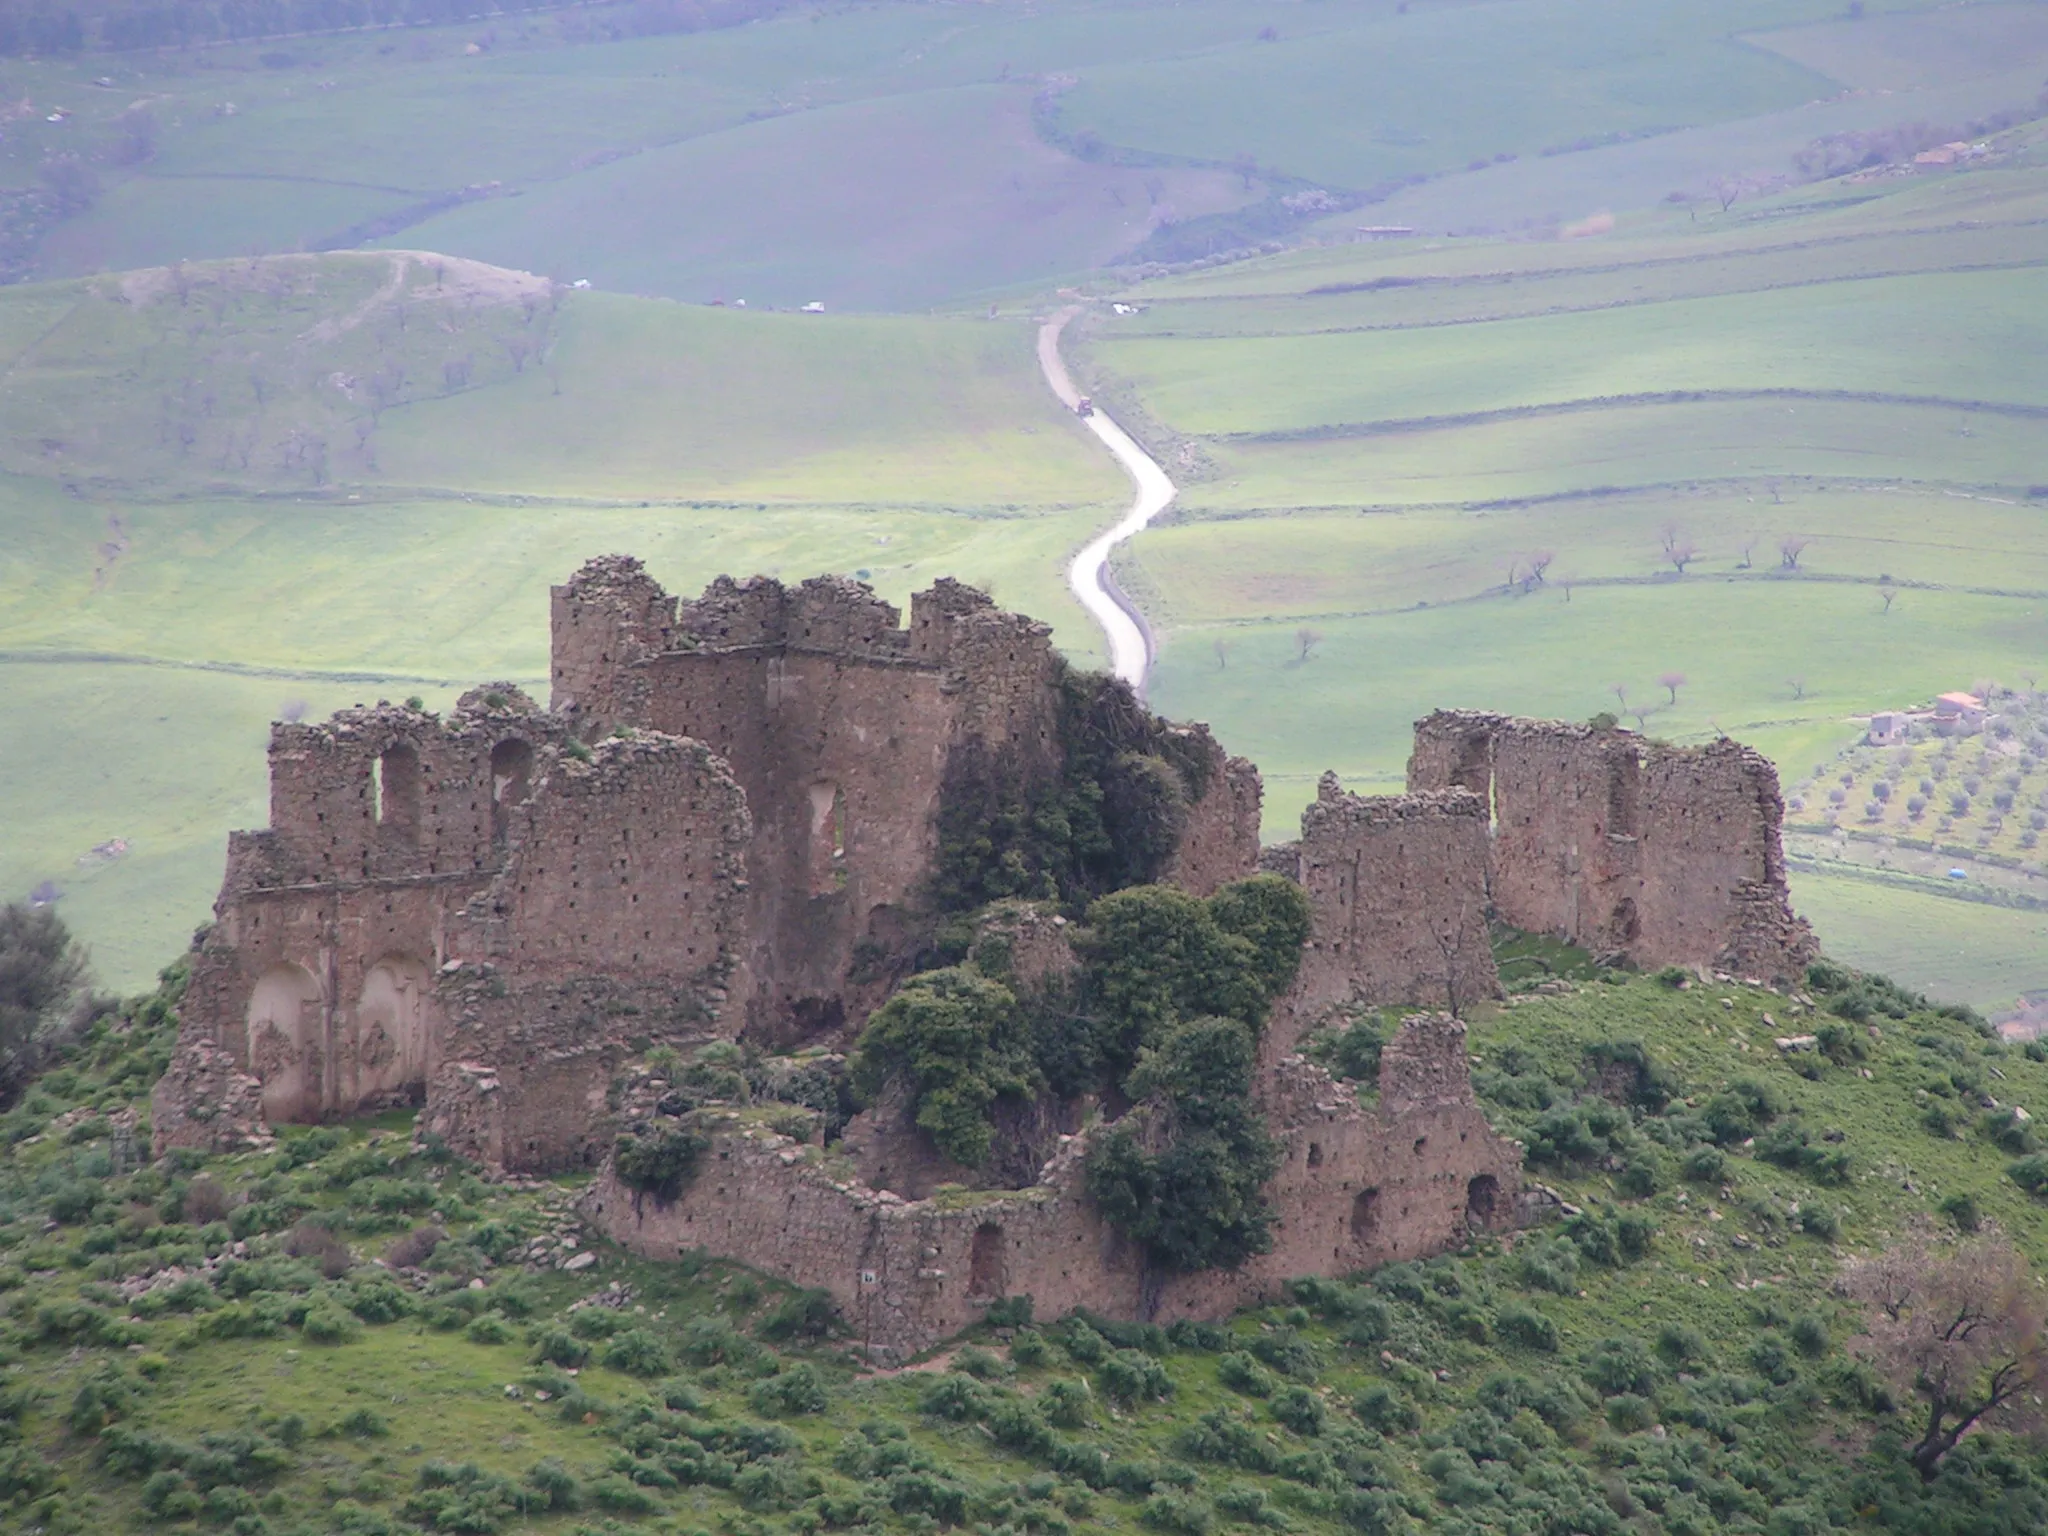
(558, 1346)
(2030, 1173)
(955, 1396)
(1706, 1165)
(1241, 1373)
(797, 1390)
(1130, 1376)
(637, 1352)
(1384, 1409)
(1526, 1328)
(1619, 1364)
(1300, 1410)
(659, 1157)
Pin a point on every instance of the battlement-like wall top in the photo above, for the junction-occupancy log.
(826, 613)
(1335, 812)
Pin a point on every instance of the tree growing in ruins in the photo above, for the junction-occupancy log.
(956, 1042)
(1671, 682)
(1451, 941)
(1960, 1330)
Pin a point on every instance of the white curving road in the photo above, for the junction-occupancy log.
(1130, 642)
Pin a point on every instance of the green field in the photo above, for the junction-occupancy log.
(892, 157)
(214, 512)
(1460, 472)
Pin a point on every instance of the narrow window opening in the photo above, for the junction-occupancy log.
(395, 789)
(1365, 1216)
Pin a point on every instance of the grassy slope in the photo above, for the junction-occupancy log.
(1395, 542)
(895, 139)
(1936, 335)
(1445, 84)
(1728, 1261)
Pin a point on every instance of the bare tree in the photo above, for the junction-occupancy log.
(1797, 685)
(1889, 595)
(1450, 938)
(1726, 190)
(1678, 549)
(1960, 1330)
(1641, 714)
(1748, 544)
(1305, 641)
(1620, 692)
(1221, 647)
(1538, 564)
(1514, 575)
(1671, 682)
(1790, 548)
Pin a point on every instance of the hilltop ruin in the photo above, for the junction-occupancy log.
(753, 816)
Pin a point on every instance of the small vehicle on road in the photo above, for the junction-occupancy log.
(1084, 407)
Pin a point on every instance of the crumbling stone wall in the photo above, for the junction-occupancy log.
(730, 813)
(336, 977)
(845, 729)
(1398, 900)
(1654, 854)
(1357, 1188)
(1221, 840)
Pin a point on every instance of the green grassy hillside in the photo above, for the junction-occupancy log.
(897, 156)
(215, 1344)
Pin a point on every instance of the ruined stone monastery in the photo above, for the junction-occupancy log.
(724, 826)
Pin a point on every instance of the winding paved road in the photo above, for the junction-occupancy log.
(1130, 640)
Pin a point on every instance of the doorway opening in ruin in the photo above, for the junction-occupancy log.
(284, 1042)
(986, 1270)
(387, 1046)
(395, 789)
(511, 780)
(1482, 1201)
(1315, 1154)
(1625, 926)
(1365, 1216)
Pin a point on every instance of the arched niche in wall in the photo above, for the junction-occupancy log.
(285, 1042)
(511, 783)
(392, 1027)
